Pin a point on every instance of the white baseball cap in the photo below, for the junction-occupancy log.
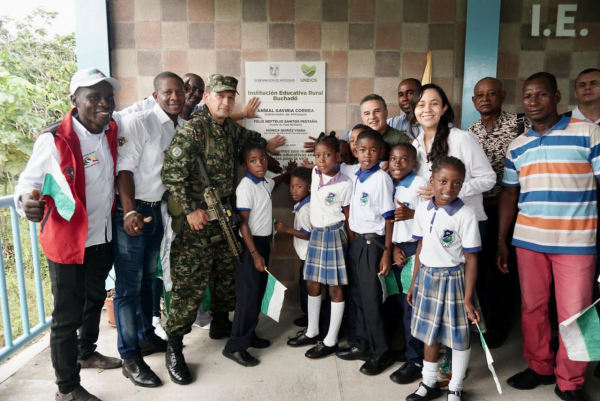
(90, 77)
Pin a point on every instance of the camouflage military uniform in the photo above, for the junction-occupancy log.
(194, 260)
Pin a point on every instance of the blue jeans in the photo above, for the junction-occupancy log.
(136, 263)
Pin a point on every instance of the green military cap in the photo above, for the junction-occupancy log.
(221, 83)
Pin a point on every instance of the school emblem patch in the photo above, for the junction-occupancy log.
(330, 198)
(447, 238)
(176, 152)
(121, 141)
(90, 160)
(364, 199)
(70, 174)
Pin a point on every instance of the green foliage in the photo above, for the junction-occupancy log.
(35, 70)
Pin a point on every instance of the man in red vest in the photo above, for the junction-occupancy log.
(79, 250)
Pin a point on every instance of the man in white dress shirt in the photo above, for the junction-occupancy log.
(79, 250)
(138, 227)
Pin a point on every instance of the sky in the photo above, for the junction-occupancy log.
(64, 22)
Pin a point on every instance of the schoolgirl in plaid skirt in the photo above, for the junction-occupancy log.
(443, 290)
(326, 258)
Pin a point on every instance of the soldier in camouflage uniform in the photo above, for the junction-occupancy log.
(214, 136)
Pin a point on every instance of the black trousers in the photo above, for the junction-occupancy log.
(79, 293)
(366, 290)
(303, 290)
(250, 285)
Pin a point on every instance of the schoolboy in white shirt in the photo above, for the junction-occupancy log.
(300, 183)
(254, 203)
(370, 254)
(402, 162)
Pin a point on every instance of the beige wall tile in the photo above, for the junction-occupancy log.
(530, 63)
(510, 38)
(124, 62)
(228, 35)
(334, 36)
(176, 61)
(281, 55)
(148, 35)
(387, 88)
(128, 93)
(361, 10)
(582, 60)
(121, 10)
(389, 11)
(358, 88)
(147, 10)
(414, 37)
(175, 35)
(308, 10)
(443, 63)
(228, 10)
(145, 87)
(201, 10)
(337, 63)
(361, 63)
(335, 117)
(202, 62)
(308, 36)
(255, 35)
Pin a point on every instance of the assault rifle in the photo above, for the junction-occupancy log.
(219, 211)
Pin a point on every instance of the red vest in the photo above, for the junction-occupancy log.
(64, 241)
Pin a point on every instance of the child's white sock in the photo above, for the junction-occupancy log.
(429, 376)
(460, 361)
(314, 310)
(337, 313)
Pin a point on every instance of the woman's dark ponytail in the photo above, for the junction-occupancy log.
(439, 148)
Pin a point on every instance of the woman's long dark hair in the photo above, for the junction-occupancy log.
(439, 148)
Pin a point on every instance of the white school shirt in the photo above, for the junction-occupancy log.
(302, 223)
(142, 142)
(372, 201)
(99, 179)
(577, 114)
(254, 196)
(329, 196)
(406, 192)
(480, 176)
(446, 233)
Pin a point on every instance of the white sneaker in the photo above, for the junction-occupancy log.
(158, 329)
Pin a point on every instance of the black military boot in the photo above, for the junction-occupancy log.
(175, 361)
(220, 326)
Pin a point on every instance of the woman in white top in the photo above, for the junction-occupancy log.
(430, 107)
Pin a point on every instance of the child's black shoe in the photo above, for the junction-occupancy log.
(431, 393)
(302, 339)
(456, 396)
(321, 351)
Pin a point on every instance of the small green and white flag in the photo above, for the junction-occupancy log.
(56, 186)
(581, 335)
(273, 299)
(489, 359)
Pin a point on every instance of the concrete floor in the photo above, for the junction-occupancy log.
(284, 374)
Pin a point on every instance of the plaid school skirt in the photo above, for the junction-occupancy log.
(326, 258)
(439, 315)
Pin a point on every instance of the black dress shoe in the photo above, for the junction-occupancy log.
(302, 339)
(176, 366)
(432, 393)
(140, 374)
(153, 345)
(242, 357)
(529, 379)
(352, 354)
(320, 351)
(220, 327)
(377, 364)
(258, 342)
(302, 321)
(408, 373)
(571, 395)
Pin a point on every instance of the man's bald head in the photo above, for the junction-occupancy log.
(488, 96)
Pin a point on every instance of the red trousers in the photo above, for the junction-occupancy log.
(573, 282)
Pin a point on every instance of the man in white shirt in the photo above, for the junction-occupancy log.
(587, 93)
(138, 227)
(79, 250)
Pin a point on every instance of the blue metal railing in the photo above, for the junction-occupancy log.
(12, 345)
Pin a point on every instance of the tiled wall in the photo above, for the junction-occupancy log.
(368, 44)
(521, 55)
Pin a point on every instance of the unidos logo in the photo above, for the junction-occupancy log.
(309, 71)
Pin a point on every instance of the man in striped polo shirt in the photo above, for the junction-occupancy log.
(550, 178)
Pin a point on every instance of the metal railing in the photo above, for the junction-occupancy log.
(12, 345)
